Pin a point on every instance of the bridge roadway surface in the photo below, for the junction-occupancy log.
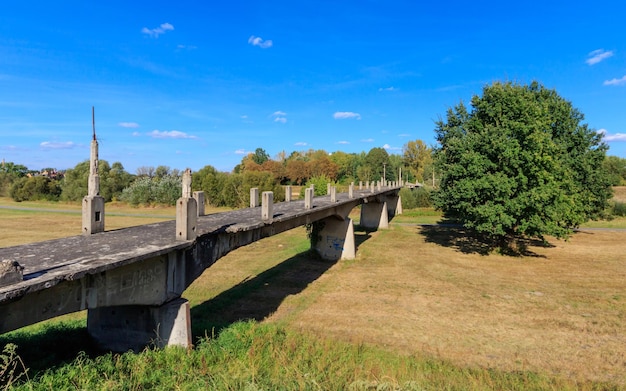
(62, 261)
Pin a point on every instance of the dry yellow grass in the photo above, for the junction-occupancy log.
(561, 311)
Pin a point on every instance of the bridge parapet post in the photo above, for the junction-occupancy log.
(351, 191)
(328, 187)
(254, 197)
(288, 194)
(267, 206)
(186, 211)
(308, 198)
(199, 197)
(333, 194)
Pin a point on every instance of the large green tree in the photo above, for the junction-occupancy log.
(520, 164)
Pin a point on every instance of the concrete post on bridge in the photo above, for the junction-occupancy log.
(199, 197)
(93, 203)
(333, 237)
(288, 193)
(254, 197)
(186, 211)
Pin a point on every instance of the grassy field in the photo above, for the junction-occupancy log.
(421, 307)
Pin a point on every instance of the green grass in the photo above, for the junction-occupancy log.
(253, 356)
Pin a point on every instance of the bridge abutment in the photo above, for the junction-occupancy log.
(133, 327)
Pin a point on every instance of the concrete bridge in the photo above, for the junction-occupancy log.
(131, 280)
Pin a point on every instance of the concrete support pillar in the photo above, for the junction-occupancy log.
(333, 238)
(308, 198)
(267, 206)
(374, 216)
(254, 197)
(93, 214)
(333, 194)
(394, 205)
(199, 197)
(287, 193)
(133, 327)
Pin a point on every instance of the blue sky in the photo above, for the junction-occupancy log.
(194, 83)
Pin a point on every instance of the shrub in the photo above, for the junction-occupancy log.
(618, 208)
(419, 197)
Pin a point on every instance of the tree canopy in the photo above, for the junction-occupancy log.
(520, 163)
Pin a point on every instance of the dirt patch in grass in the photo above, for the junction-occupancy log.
(619, 193)
(561, 311)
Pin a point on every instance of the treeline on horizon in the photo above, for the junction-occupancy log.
(162, 185)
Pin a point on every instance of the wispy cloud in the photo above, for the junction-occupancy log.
(279, 116)
(48, 145)
(404, 135)
(186, 47)
(301, 144)
(615, 82)
(611, 137)
(367, 140)
(598, 55)
(387, 89)
(155, 32)
(258, 41)
(240, 151)
(131, 125)
(389, 147)
(346, 115)
(170, 134)
(343, 142)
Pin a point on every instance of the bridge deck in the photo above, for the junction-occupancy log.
(51, 262)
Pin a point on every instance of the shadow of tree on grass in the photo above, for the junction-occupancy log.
(448, 233)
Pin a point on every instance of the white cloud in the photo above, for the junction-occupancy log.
(387, 89)
(598, 55)
(389, 147)
(368, 140)
(128, 125)
(170, 134)
(136, 134)
(343, 142)
(186, 47)
(157, 31)
(346, 115)
(240, 151)
(615, 82)
(404, 135)
(611, 137)
(258, 41)
(47, 145)
(279, 116)
(301, 144)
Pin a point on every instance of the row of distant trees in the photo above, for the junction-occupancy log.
(161, 185)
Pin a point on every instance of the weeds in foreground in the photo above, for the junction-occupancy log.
(254, 356)
(11, 366)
